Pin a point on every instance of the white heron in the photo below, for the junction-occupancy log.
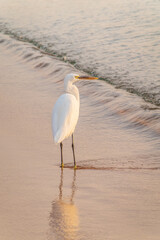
(66, 112)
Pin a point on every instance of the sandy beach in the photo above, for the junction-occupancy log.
(115, 196)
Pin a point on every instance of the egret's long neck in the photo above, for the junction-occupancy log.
(72, 89)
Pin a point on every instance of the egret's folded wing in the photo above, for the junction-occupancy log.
(64, 117)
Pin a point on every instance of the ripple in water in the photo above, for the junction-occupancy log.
(119, 42)
(122, 120)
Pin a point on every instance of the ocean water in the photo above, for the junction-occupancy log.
(114, 194)
(118, 41)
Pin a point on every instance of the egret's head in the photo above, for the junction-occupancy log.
(72, 77)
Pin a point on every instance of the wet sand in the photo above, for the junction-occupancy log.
(113, 195)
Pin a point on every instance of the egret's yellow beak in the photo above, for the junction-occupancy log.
(86, 78)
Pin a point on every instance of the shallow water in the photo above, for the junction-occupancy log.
(121, 119)
(115, 40)
(114, 194)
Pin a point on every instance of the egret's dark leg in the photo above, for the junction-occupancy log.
(73, 153)
(61, 146)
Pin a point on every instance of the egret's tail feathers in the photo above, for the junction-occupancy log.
(59, 137)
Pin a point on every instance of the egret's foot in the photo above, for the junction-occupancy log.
(75, 167)
(62, 165)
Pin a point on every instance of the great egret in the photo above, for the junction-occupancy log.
(66, 112)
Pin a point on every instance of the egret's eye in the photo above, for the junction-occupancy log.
(77, 77)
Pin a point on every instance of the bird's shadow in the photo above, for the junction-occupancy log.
(113, 165)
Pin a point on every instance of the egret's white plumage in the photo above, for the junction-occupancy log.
(66, 112)
(65, 117)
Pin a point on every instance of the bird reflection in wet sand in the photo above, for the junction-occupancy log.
(64, 222)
